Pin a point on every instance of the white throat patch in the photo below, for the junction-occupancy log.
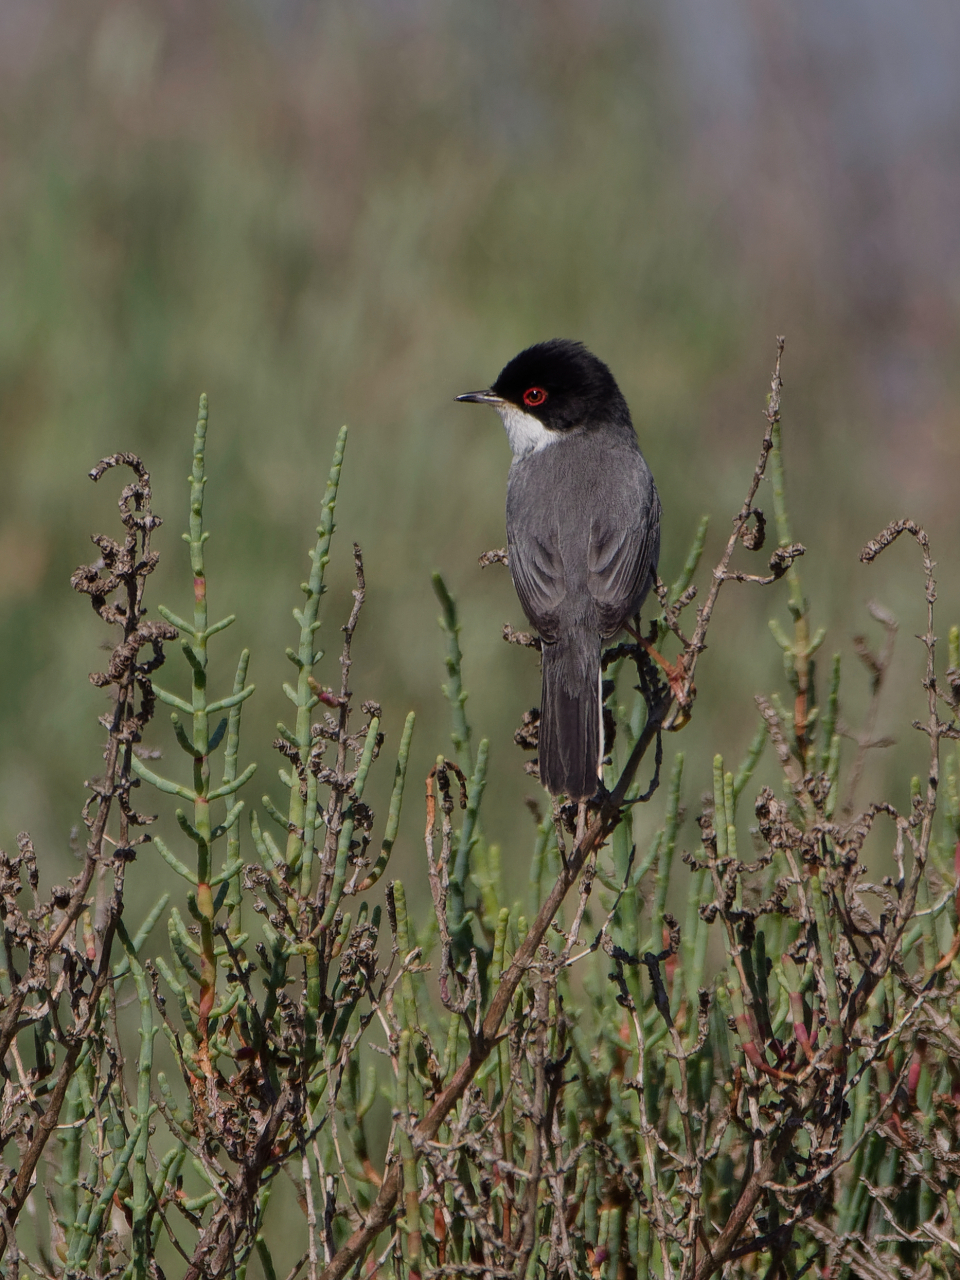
(526, 433)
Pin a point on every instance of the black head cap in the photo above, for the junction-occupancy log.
(564, 385)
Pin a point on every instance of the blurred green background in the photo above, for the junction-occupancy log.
(328, 212)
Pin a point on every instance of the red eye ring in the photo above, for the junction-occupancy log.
(534, 396)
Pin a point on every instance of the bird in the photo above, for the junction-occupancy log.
(583, 538)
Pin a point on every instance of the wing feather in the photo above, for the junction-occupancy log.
(621, 561)
(537, 570)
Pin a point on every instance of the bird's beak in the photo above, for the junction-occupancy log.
(481, 397)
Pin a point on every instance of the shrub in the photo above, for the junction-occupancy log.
(582, 1088)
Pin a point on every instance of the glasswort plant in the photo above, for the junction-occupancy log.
(583, 1084)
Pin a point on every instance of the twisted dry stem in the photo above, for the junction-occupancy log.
(125, 568)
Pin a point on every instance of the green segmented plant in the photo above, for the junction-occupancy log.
(722, 1048)
(195, 960)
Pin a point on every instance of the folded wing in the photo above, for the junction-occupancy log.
(623, 554)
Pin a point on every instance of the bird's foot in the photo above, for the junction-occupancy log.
(675, 673)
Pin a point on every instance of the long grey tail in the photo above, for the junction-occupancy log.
(569, 735)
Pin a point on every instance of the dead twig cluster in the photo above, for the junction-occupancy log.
(764, 1083)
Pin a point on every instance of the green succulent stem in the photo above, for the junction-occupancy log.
(453, 689)
(307, 654)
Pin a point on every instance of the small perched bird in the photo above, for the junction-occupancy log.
(583, 534)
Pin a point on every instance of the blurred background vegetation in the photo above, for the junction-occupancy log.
(322, 212)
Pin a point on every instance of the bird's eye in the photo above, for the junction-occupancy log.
(534, 395)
